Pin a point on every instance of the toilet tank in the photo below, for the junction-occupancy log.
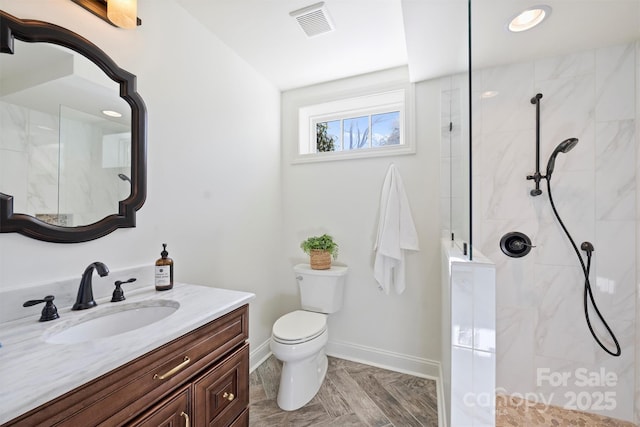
(321, 291)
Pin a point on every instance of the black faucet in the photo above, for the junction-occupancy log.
(85, 291)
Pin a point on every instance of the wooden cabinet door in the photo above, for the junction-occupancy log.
(175, 411)
(242, 420)
(223, 393)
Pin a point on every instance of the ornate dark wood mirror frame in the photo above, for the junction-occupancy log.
(33, 31)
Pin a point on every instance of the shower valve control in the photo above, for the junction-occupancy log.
(516, 244)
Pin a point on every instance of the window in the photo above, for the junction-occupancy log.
(356, 127)
(354, 133)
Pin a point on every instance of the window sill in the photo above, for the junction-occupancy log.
(353, 154)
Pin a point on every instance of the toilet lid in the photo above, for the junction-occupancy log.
(299, 325)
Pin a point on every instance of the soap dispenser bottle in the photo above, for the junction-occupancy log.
(164, 271)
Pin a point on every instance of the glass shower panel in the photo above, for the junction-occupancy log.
(455, 159)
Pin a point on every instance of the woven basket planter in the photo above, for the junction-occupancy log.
(320, 260)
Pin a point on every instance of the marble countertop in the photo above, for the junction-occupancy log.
(33, 371)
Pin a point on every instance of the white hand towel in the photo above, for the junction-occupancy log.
(396, 233)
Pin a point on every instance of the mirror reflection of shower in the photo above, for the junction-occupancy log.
(124, 177)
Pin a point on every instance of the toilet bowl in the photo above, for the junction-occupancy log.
(304, 363)
(298, 339)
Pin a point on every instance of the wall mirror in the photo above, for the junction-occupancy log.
(72, 136)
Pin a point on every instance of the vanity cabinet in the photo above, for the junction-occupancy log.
(199, 379)
(215, 398)
(174, 411)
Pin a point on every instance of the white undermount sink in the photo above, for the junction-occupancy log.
(110, 321)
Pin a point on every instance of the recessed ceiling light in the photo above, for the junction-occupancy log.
(529, 18)
(111, 113)
(489, 94)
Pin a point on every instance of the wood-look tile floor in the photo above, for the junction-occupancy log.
(352, 395)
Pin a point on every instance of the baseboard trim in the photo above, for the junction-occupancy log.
(258, 355)
(385, 359)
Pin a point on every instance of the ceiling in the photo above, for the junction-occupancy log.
(428, 36)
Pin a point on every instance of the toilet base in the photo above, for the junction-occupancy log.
(308, 373)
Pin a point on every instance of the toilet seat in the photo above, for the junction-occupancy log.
(299, 326)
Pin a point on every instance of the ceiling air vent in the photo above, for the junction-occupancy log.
(313, 19)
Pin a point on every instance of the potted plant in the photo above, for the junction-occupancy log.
(320, 250)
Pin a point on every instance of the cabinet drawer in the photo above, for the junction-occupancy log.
(222, 394)
(124, 393)
(173, 412)
(242, 420)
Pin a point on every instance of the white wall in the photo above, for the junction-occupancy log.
(342, 199)
(213, 163)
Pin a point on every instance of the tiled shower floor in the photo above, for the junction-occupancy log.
(514, 412)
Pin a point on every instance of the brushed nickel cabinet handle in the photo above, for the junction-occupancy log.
(173, 371)
(228, 396)
(187, 422)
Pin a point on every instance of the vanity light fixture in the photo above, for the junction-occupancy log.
(111, 113)
(529, 18)
(119, 13)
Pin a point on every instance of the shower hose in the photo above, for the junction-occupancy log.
(588, 293)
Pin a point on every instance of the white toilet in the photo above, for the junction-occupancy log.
(298, 338)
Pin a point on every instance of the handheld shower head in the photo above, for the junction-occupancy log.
(564, 147)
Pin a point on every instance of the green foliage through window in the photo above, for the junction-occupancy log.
(324, 142)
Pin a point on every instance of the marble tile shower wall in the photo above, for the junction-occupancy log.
(543, 345)
(22, 147)
(49, 171)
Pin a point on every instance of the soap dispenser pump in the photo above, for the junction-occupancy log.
(164, 271)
